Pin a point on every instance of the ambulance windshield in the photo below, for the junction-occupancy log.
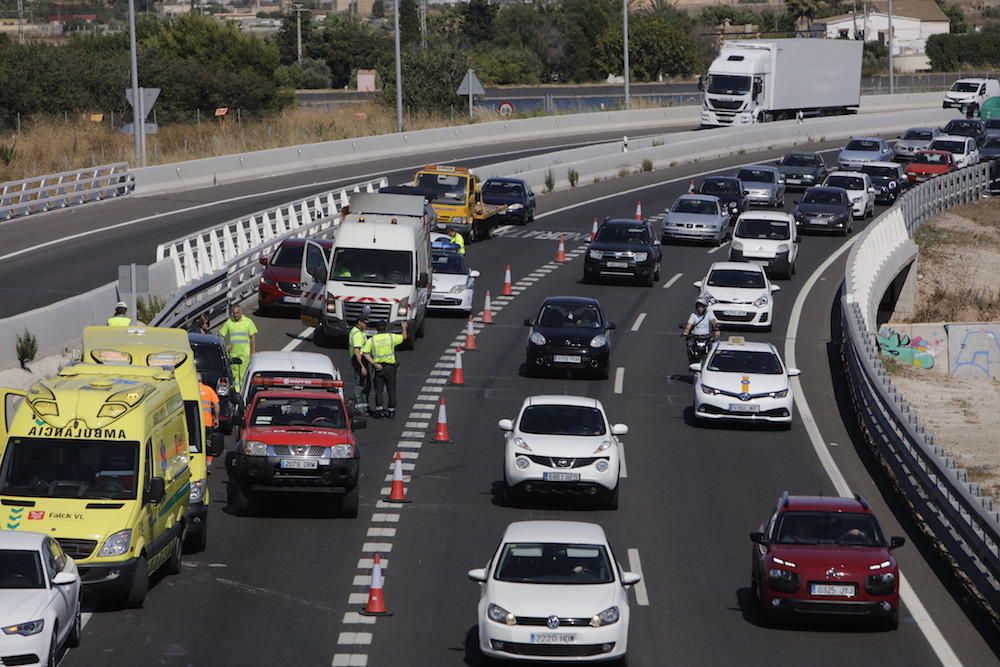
(56, 468)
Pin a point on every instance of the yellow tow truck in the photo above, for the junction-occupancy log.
(457, 198)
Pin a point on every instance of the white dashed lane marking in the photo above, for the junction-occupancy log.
(670, 282)
(619, 379)
(638, 321)
(635, 565)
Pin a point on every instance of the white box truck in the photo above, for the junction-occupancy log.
(760, 81)
(380, 268)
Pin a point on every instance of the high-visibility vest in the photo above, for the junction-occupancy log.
(119, 321)
(458, 240)
(357, 338)
(208, 399)
(382, 347)
(239, 334)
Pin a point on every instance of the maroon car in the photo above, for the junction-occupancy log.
(828, 557)
(279, 283)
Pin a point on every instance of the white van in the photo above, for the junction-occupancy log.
(380, 268)
(974, 92)
(311, 365)
(768, 238)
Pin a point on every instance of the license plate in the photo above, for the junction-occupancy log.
(793, 181)
(561, 477)
(298, 464)
(744, 407)
(837, 590)
(734, 313)
(617, 265)
(566, 358)
(292, 299)
(551, 638)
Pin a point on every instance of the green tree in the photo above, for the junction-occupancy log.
(956, 17)
(478, 18)
(802, 12)
(287, 38)
(657, 46)
(582, 22)
(378, 9)
(507, 65)
(409, 22)
(430, 78)
(348, 44)
(949, 53)
(874, 59)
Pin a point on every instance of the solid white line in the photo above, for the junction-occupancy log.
(635, 565)
(716, 248)
(670, 282)
(927, 626)
(298, 340)
(638, 321)
(623, 469)
(619, 379)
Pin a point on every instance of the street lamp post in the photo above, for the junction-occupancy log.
(399, 70)
(297, 8)
(625, 69)
(892, 69)
(137, 119)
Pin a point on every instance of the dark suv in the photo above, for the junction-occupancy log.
(623, 249)
(967, 127)
(570, 333)
(516, 194)
(211, 360)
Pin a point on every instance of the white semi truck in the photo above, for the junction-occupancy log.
(760, 81)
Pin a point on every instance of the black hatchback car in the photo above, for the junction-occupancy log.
(570, 333)
(729, 190)
(824, 209)
(212, 362)
(623, 249)
(967, 127)
(516, 194)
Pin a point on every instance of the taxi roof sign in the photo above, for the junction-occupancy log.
(737, 340)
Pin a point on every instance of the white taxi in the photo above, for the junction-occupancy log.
(743, 381)
(553, 592)
(738, 294)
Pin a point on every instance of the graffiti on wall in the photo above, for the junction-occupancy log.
(974, 350)
(917, 351)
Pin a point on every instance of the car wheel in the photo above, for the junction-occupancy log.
(73, 640)
(656, 274)
(197, 541)
(611, 500)
(140, 584)
(511, 496)
(420, 329)
(240, 500)
(650, 281)
(176, 560)
(53, 656)
(349, 503)
(891, 624)
(789, 272)
(602, 373)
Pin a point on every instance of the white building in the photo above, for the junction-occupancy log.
(913, 21)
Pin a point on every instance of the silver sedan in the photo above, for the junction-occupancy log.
(764, 184)
(697, 218)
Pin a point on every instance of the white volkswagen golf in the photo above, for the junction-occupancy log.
(553, 591)
(738, 294)
(562, 444)
(39, 599)
(743, 381)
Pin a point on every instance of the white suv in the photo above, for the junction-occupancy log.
(768, 238)
(964, 150)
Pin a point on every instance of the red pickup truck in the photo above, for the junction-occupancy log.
(297, 437)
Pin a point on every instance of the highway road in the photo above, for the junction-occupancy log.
(74, 250)
(285, 588)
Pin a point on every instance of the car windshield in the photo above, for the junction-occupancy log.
(918, 135)
(824, 197)
(759, 362)
(962, 127)
(696, 206)
(841, 528)
(449, 263)
(862, 145)
(777, 230)
(20, 569)
(930, 158)
(846, 182)
(799, 160)
(295, 411)
(93, 469)
(208, 358)
(992, 143)
(447, 188)
(570, 316)
(554, 563)
(288, 255)
(562, 420)
(744, 278)
(756, 176)
(965, 87)
(357, 265)
(501, 189)
(617, 233)
(728, 84)
(950, 146)
(720, 187)
(881, 172)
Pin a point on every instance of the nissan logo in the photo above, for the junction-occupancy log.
(552, 622)
(366, 310)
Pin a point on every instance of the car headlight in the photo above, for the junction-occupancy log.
(25, 629)
(343, 451)
(733, 205)
(893, 185)
(709, 298)
(521, 443)
(760, 301)
(606, 617)
(711, 391)
(782, 247)
(254, 448)
(779, 574)
(458, 220)
(641, 256)
(737, 245)
(197, 491)
(779, 394)
(603, 447)
(498, 614)
(458, 289)
(596, 254)
(856, 198)
(117, 544)
(515, 207)
(403, 309)
(600, 340)
(808, 177)
(537, 338)
(267, 281)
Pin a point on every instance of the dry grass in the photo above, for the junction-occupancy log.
(50, 146)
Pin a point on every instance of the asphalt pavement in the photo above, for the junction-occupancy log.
(285, 587)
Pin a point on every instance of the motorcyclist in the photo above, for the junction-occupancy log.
(700, 324)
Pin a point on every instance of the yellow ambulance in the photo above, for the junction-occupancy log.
(96, 457)
(166, 348)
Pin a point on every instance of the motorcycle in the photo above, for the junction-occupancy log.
(697, 346)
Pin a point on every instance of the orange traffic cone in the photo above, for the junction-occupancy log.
(397, 494)
(376, 603)
(508, 288)
(441, 434)
(593, 230)
(638, 210)
(561, 251)
(488, 310)
(470, 336)
(457, 372)
(691, 186)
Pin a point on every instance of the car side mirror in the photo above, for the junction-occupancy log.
(701, 85)
(694, 367)
(216, 444)
(263, 261)
(422, 279)
(619, 429)
(529, 323)
(896, 542)
(358, 423)
(697, 284)
(506, 424)
(611, 325)
(155, 491)
(477, 575)
(65, 579)
(794, 372)
(758, 538)
(775, 288)
(474, 274)
(630, 578)
(746, 193)
(656, 242)
(872, 190)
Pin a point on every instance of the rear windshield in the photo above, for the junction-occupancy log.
(696, 206)
(20, 569)
(745, 361)
(862, 145)
(776, 230)
(562, 420)
(756, 176)
(736, 278)
(918, 135)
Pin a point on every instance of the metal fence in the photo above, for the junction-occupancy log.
(68, 188)
(964, 524)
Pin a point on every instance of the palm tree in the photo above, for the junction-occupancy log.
(802, 12)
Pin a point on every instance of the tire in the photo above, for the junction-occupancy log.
(420, 329)
(197, 541)
(650, 281)
(176, 560)
(140, 585)
(321, 338)
(788, 273)
(656, 274)
(766, 615)
(891, 624)
(602, 373)
(240, 500)
(349, 504)
(53, 655)
(793, 269)
(73, 639)
(611, 500)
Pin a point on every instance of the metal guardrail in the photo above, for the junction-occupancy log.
(68, 188)
(965, 524)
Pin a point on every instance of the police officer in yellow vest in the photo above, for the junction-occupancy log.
(120, 319)
(356, 340)
(242, 339)
(380, 351)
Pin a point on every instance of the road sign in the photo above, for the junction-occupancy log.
(470, 85)
(148, 96)
(505, 109)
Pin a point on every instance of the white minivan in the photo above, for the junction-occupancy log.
(768, 238)
(964, 150)
(974, 92)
